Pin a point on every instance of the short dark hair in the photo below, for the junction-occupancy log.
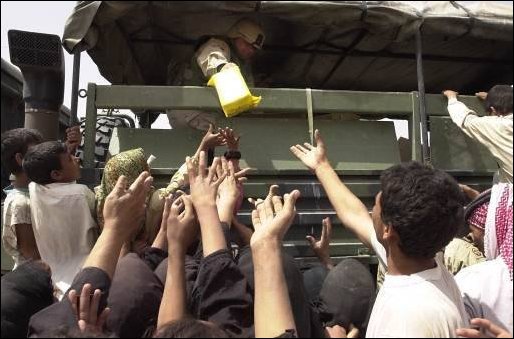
(42, 159)
(17, 141)
(500, 98)
(190, 328)
(423, 205)
(64, 331)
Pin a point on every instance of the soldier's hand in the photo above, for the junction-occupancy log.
(450, 94)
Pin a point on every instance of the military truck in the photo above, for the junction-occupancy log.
(340, 66)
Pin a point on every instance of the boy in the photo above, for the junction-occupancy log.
(17, 235)
(62, 211)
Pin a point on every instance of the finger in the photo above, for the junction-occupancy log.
(211, 129)
(487, 324)
(188, 207)
(256, 220)
(191, 169)
(84, 303)
(297, 152)
(273, 190)
(243, 172)
(231, 170)
(219, 170)
(311, 240)
(308, 146)
(224, 166)
(319, 140)
(138, 186)
(82, 325)
(290, 201)
(242, 180)
(93, 310)
(468, 333)
(212, 170)
(277, 203)
(202, 164)
(121, 186)
(354, 332)
(259, 205)
(72, 297)
(252, 201)
(102, 319)
(303, 149)
(268, 207)
(324, 229)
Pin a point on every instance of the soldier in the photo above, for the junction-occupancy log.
(239, 46)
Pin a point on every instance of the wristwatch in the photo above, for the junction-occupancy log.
(232, 155)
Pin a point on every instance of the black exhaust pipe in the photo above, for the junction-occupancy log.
(41, 61)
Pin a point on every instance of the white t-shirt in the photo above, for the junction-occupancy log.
(427, 304)
(16, 211)
(487, 292)
(65, 231)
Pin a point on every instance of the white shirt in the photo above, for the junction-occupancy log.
(487, 292)
(16, 212)
(427, 304)
(494, 132)
(64, 228)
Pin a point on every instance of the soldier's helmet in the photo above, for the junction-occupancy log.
(249, 30)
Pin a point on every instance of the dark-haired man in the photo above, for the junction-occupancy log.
(416, 213)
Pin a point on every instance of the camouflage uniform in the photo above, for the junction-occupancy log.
(215, 52)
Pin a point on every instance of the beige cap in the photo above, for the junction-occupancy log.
(249, 30)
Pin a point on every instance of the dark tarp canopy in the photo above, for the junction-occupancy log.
(350, 45)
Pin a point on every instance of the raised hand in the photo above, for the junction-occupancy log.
(450, 94)
(321, 247)
(204, 184)
(125, 208)
(181, 223)
(271, 217)
(73, 138)
(231, 138)
(86, 307)
(312, 157)
(487, 329)
(211, 139)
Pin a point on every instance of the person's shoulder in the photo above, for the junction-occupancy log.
(17, 199)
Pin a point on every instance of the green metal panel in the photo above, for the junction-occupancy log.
(437, 104)
(352, 145)
(452, 150)
(170, 146)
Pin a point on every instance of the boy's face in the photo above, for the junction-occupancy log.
(70, 168)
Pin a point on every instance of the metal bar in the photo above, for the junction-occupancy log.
(274, 100)
(75, 89)
(422, 104)
(414, 129)
(90, 133)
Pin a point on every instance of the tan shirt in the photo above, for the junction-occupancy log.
(494, 132)
(210, 55)
(460, 253)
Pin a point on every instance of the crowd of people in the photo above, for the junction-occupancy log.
(129, 260)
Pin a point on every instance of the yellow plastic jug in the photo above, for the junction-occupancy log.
(233, 93)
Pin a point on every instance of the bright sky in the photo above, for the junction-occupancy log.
(50, 17)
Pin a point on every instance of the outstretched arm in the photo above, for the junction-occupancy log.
(350, 210)
(272, 308)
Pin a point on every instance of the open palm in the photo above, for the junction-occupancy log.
(311, 156)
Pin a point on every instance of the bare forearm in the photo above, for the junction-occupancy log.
(161, 241)
(271, 293)
(226, 211)
(173, 303)
(106, 251)
(212, 235)
(350, 210)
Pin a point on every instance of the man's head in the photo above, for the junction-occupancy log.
(419, 209)
(499, 100)
(190, 328)
(475, 216)
(15, 144)
(50, 162)
(248, 37)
